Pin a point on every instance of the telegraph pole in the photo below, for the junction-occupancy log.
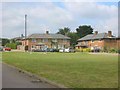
(25, 31)
(25, 26)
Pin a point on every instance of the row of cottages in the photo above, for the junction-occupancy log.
(99, 41)
(43, 41)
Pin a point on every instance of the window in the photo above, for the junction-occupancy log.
(64, 40)
(86, 43)
(54, 40)
(45, 40)
(33, 40)
(33, 46)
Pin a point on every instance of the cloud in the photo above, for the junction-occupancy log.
(91, 10)
(101, 17)
(51, 16)
(47, 14)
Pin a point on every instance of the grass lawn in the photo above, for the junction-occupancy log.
(74, 70)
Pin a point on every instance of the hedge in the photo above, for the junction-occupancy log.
(11, 45)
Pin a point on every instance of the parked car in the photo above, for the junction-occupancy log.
(7, 49)
(45, 50)
(72, 50)
(66, 50)
(51, 50)
(61, 50)
(69, 50)
(37, 50)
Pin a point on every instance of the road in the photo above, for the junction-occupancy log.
(12, 78)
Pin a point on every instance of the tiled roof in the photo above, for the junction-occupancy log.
(93, 37)
(18, 38)
(53, 36)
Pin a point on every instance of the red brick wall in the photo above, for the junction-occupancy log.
(103, 43)
(48, 43)
(112, 44)
(98, 43)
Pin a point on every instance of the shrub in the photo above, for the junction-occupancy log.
(88, 50)
(11, 45)
(119, 51)
(83, 50)
(105, 49)
(112, 50)
(78, 50)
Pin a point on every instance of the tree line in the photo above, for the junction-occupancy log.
(81, 31)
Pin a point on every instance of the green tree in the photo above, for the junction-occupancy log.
(84, 30)
(5, 41)
(64, 31)
(74, 37)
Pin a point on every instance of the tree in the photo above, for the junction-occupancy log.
(74, 37)
(11, 45)
(5, 41)
(84, 30)
(64, 31)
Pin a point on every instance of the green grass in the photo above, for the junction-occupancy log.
(74, 70)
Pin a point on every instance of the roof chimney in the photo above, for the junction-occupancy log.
(96, 32)
(110, 33)
(47, 32)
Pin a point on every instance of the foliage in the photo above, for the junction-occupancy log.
(88, 50)
(13, 41)
(5, 41)
(119, 51)
(78, 50)
(80, 32)
(11, 45)
(64, 31)
(84, 50)
(113, 50)
(84, 30)
(74, 37)
(18, 43)
(105, 49)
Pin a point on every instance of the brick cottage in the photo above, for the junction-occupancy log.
(99, 41)
(42, 41)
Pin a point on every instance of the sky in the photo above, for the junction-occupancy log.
(50, 16)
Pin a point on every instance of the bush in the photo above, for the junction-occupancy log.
(11, 45)
(119, 51)
(112, 50)
(105, 49)
(18, 43)
(85, 50)
(88, 50)
(78, 50)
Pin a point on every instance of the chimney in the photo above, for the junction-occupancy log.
(47, 32)
(109, 33)
(96, 32)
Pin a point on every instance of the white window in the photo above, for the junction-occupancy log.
(64, 40)
(54, 40)
(45, 40)
(33, 40)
